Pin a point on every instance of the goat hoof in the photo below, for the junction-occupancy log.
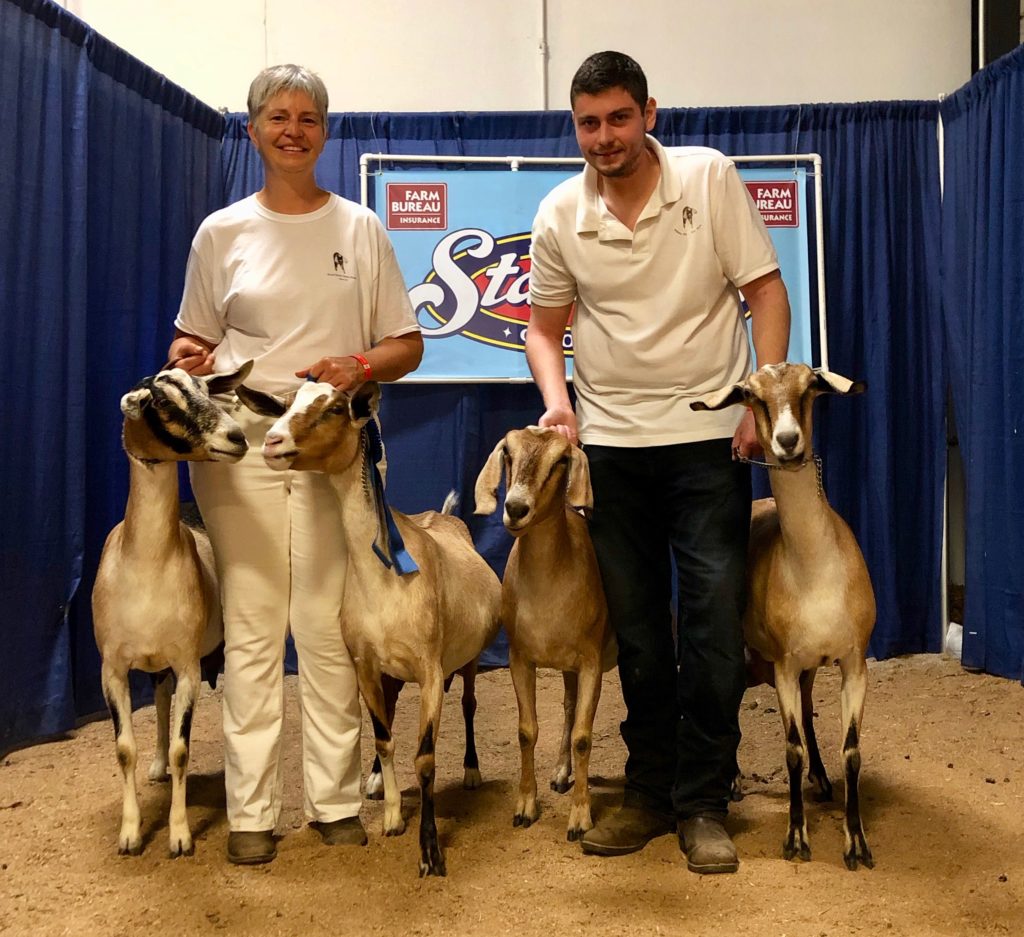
(375, 795)
(130, 849)
(181, 849)
(574, 836)
(801, 852)
(521, 819)
(560, 786)
(433, 864)
(859, 852)
(471, 780)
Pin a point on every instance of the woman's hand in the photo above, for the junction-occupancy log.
(344, 373)
(190, 355)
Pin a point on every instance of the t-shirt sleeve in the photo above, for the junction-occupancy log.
(199, 313)
(551, 284)
(392, 313)
(742, 241)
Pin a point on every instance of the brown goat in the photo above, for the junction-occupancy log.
(553, 606)
(155, 604)
(416, 628)
(810, 599)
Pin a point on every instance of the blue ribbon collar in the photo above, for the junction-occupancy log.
(392, 553)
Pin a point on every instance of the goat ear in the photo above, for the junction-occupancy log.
(260, 402)
(224, 383)
(726, 397)
(578, 491)
(486, 492)
(364, 402)
(135, 401)
(828, 382)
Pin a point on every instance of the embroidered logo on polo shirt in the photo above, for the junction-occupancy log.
(340, 260)
(688, 222)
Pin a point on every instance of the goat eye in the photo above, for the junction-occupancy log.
(162, 404)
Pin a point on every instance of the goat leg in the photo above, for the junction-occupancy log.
(787, 686)
(563, 770)
(431, 699)
(375, 781)
(119, 702)
(854, 690)
(471, 778)
(162, 688)
(816, 773)
(524, 680)
(369, 679)
(589, 687)
(185, 695)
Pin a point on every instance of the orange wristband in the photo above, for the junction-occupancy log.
(367, 370)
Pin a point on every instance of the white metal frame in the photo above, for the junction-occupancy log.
(514, 162)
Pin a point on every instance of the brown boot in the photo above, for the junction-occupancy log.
(707, 846)
(251, 847)
(626, 830)
(347, 832)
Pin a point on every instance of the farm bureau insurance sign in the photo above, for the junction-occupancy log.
(462, 239)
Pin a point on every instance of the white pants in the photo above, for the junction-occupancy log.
(280, 557)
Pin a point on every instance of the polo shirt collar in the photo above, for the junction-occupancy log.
(592, 214)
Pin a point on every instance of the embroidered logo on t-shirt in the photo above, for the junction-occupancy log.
(688, 221)
(339, 260)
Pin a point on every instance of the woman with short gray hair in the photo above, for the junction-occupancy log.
(304, 283)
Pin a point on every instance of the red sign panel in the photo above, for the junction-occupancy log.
(417, 205)
(777, 202)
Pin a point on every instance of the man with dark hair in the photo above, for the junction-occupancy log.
(651, 249)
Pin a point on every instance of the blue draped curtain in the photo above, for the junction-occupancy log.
(884, 453)
(114, 169)
(983, 297)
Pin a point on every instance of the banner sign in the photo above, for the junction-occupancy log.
(462, 238)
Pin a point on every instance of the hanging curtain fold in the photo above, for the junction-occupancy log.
(115, 168)
(983, 298)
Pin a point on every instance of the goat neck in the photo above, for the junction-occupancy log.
(806, 519)
(151, 516)
(353, 488)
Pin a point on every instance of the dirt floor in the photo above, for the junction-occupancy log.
(942, 786)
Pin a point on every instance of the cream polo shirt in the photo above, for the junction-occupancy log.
(286, 290)
(658, 320)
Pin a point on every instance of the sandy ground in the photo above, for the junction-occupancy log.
(942, 785)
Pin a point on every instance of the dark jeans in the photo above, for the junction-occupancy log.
(692, 502)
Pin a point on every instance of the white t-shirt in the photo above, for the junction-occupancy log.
(286, 290)
(658, 319)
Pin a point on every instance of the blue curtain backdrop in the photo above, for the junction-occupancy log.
(884, 453)
(983, 295)
(114, 169)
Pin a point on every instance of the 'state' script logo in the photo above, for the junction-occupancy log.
(479, 287)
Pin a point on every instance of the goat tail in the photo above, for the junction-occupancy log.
(451, 503)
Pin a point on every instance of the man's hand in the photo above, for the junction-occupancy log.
(563, 421)
(744, 442)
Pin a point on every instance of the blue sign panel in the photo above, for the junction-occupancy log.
(462, 239)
